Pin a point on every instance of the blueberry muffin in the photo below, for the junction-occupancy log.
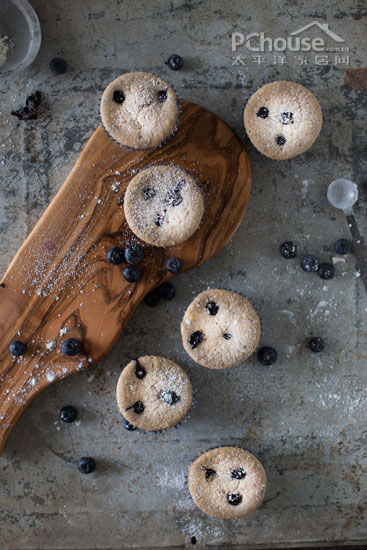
(163, 205)
(139, 110)
(153, 393)
(282, 119)
(227, 482)
(220, 329)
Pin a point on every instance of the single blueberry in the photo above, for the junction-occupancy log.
(129, 427)
(140, 371)
(326, 271)
(58, 65)
(162, 95)
(316, 344)
(287, 117)
(267, 356)
(209, 473)
(169, 397)
(173, 197)
(288, 250)
(152, 299)
(115, 255)
(2, 285)
(238, 473)
(138, 407)
(196, 338)
(134, 254)
(212, 308)
(174, 265)
(342, 246)
(310, 263)
(118, 96)
(159, 219)
(148, 192)
(131, 273)
(280, 140)
(234, 498)
(166, 291)
(17, 348)
(193, 539)
(227, 336)
(86, 465)
(71, 347)
(263, 112)
(175, 62)
(68, 414)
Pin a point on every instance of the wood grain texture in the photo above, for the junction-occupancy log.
(59, 284)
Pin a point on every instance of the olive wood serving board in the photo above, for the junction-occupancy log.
(59, 284)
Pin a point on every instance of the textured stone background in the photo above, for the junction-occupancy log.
(305, 417)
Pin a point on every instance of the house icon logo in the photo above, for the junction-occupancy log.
(323, 26)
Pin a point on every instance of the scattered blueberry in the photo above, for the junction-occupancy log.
(175, 62)
(316, 344)
(287, 117)
(174, 265)
(71, 347)
(280, 140)
(17, 348)
(227, 336)
(134, 254)
(152, 299)
(170, 397)
(193, 539)
(86, 465)
(288, 250)
(166, 291)
(140, 371)
(29, 112)
(68, 414)
(58, 65)
(196, 338)
(267, 356)
(234, 499)
(326, 271)
(2, 285)
(342, 246)
(263, 112)
(212, 308)
(238, 473)
(129, 427)
(115, 255)
(310, 263)
(209, 473)
(118, 96)
(131, 273)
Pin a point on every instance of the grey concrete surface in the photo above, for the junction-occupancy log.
(305, 417)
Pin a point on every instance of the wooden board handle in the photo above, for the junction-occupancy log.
(59, 284)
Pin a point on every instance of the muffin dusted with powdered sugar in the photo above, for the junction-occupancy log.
(282, 119)
(220, 329)
(227, 482)
(163, 205)
(154, 393)
(139, 110)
